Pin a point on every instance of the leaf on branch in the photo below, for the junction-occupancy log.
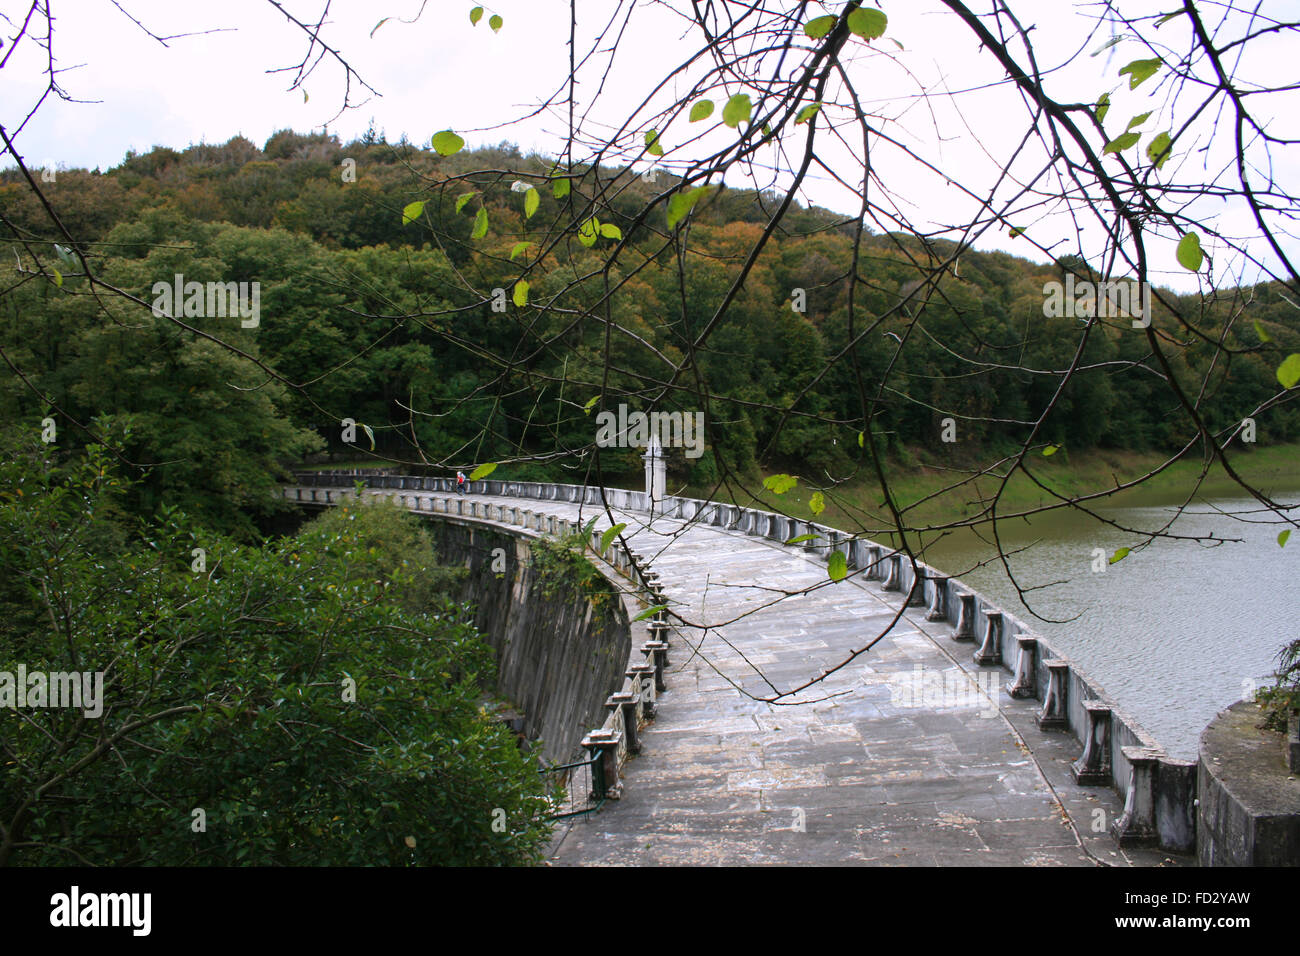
(1189, 252)
(818, 27)
(650, 612)
(369, 434)
(1263, 336)
(1051, 450)
(463, 199)
(476, 15)
(496, 23)
(447, 143)
(807, 113)
(1107, 45)
(519, 248)
(1167, 17)
(837, 566)
(520, 296)
(1119, 555)
(411, 211)
(1158, 149)
(1141, 70)
(780, 484)
(802, 538)
(1288, 373)
(1282, 538)
(702, 110)
(610, 231)
(1122, 142)
(868, 23)
(680, 203)
(531, 202)
(652, 143)
(737, 110)
(1015, 231)
(560, 188)
(58, 278)
(1138, 120)
(589, 232)
(590, 404)
(609, 535)
(1103, 105)
(482, 471)
(480, 224)
(817, 503)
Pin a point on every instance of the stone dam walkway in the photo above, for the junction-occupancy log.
(856, 769)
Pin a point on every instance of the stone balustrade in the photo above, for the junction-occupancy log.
(1159, 793)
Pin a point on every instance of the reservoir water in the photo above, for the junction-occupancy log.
(1174, 632)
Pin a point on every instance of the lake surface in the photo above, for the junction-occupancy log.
(1175, 631)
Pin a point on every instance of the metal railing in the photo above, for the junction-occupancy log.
(579, 787)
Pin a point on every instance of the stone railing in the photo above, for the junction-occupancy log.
(1159, 792)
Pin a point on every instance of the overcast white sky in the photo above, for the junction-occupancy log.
(442, 72)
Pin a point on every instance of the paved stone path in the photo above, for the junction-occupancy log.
(852, 770)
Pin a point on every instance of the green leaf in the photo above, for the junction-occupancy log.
(802, 538)
(378, 25)
(1051, 450)
(817, 503)
(531, 202)
(1288, 373)
(369, 434)
(1119, 555)
(1122, 142)
(702, 110)
(1141, 70)
(818, 27)
(519, 247)
(589, 232)
(837, 566)
(650, 612)
(652, 143)
(1263, 336)
(1282, 538)
(780, 484)
(464, 198)
(862, 438)
(482, 471)
(58, 278)
(521, 293)
(868, 23)
(1158, 149)
(1138, 120)
(412, 211)
(737, 110)
(559, 188)
(480, 224)
(609, 535)
(1107, 45)
(590, 404)
(476, 15)
(447, 143)
(1015, 231)
(1166, 18)
(807, 113)
(1103, 105)
(496, 23)
(610, 231)
(680, 203)
(1189, 252)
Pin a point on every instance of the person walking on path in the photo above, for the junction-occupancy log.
(460, 482)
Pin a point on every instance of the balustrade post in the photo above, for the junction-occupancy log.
(629, 703)
(1092, 769)
(892, 582)
(990, 651)
(916, 595)
(658, 651)
(644, 676)
(1054, 715)
(602, 745)
(1136, 826)
(1025, 683)
(938, 610)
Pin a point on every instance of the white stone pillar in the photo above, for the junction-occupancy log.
(656, 473)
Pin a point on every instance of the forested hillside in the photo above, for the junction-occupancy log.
(377, 266)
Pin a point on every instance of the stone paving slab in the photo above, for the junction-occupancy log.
(846, 771)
